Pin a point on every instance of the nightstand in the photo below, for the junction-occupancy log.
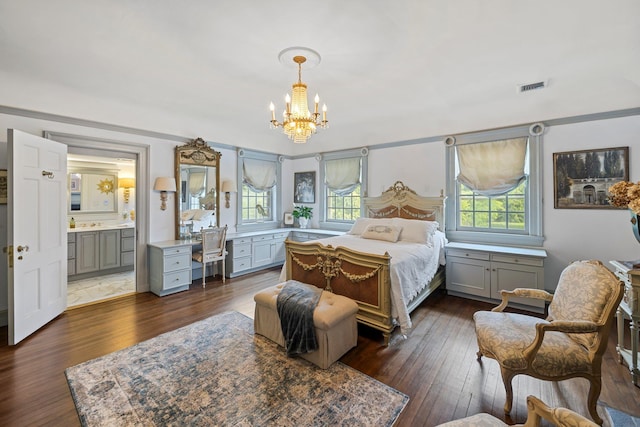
(629, 309)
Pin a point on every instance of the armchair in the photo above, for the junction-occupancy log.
(569, 343)
(213, 249)
(536, 410)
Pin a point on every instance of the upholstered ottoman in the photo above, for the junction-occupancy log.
(334, 319)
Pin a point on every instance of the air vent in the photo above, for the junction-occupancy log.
(531, 86)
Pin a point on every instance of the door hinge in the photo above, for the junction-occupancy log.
(9, 251)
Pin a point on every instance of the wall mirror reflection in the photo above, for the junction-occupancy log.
(92, 191)
(198, 192)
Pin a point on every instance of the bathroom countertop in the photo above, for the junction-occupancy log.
(100, 227)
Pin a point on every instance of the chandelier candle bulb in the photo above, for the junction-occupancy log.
(324, 112)
(287, 100)
(273, 111)
(317, 101)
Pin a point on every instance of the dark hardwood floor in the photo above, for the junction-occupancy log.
(436, 366)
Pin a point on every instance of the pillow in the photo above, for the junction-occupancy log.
(416, 231)
(201, 214)
(187, 215)
(361, 224)
(388, 233)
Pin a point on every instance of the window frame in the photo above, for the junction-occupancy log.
(363, 154)
(533, 195)
(243, 226)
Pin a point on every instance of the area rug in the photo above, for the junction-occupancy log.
(215, 372)
(617, 418)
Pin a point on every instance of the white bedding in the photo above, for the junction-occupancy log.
(413, 265)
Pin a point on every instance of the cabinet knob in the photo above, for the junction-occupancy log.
(487, 268)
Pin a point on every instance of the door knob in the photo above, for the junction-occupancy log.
(21, 248)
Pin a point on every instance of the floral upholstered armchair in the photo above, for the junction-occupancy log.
(536, 410)
(569, 343)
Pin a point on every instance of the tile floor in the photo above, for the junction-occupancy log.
(84, 291)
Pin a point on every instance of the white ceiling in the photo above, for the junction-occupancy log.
(390, 70)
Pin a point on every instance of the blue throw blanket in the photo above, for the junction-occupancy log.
(296, 303)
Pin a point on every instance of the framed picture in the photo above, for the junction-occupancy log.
(304, 187)
(3, 186)
(581, 179)
(288, 219)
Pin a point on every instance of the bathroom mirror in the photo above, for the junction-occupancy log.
(198, 188)
(92, 191)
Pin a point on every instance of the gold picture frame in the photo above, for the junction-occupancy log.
(3, 186)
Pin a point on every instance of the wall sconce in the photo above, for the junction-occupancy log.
(164, 184)
(127, 184)
(228, 187)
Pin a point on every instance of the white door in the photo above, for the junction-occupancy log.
(37, 232)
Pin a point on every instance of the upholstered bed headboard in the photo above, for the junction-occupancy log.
(399, 201)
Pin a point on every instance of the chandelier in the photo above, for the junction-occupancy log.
(298, 122)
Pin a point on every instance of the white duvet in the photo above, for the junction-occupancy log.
(413, 265)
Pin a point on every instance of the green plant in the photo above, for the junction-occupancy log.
(302, 212)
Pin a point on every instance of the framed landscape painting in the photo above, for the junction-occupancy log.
(581, 179)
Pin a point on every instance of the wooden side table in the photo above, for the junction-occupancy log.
(630, 309)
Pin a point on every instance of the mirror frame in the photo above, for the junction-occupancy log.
(93, 171)
(198, 153)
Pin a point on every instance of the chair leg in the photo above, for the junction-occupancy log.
(204, 272)
(592, 400)
(507, 376)
(223, 272)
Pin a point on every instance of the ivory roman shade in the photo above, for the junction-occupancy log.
(492, 168)
(342, 176)
(259, 175)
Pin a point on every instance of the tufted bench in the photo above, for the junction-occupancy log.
(334, 319)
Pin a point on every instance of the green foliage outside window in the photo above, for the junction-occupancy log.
(343, 208)
(505, 212)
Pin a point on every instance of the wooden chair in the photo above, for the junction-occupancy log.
(213, 249)
(536, 411)
(569, 343)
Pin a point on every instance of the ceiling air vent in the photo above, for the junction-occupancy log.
(531, 86)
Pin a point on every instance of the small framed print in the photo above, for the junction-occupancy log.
(3, 186)
(304, 187)
(288, 219)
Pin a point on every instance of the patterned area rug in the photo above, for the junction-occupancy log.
(618, 418)
(217, 373)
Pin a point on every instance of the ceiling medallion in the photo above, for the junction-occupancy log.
(298, 122)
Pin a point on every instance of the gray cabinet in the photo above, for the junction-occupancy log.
(169, 267)
(87, 252)
(71, 253)
(109, 249)
(484, 270)
(127, 246)
(255, 252)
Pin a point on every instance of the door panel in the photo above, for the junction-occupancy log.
(36, 238)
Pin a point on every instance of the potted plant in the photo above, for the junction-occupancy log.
(303, 214)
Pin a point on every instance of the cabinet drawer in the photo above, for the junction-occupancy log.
(241, 241)
(515, 259)
(240, 251)
(262, 238)
(71, 250)
(127, 244)
(179, 250)
(128, 232)
(280, 236)
(126, 258)
(71, 237)
(178, 278)
(177, 262)
(468, 254)
(71, 267)
(240, 264)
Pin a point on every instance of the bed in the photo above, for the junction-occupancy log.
(387, 280)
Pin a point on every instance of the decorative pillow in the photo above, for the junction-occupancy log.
(361, 224)
(416, 231)
(388, 233)
(201, 214)
(187, 215)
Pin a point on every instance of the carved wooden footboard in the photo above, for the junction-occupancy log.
(360, 276)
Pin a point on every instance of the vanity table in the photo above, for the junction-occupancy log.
(629, 308)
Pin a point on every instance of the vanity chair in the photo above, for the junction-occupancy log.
(213, 249)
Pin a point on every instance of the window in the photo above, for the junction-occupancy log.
(259, 174)
(494, 188)
(343, 183)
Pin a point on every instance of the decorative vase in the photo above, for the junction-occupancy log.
(634, 224)
(304, 222)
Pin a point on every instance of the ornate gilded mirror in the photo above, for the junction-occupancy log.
(198, 188)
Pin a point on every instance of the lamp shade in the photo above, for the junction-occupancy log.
(164, 183)
(126, 182)
(229, 187)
